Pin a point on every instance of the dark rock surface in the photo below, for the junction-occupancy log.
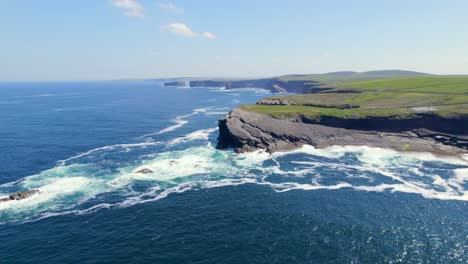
(207, 83)
(175, 84)
(451, 125)
(20, 195)
(246, 131)
(460, 141)
(144, 171)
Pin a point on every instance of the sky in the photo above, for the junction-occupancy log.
(120, 39)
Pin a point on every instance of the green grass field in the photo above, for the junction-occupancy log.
(446, 85)
(383, 97)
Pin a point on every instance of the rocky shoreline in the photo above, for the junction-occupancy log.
(246, 131)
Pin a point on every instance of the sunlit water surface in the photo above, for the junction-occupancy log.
(81, 145)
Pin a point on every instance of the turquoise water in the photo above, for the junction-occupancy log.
(81, 144)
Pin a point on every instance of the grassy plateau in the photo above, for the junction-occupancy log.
(399, 98)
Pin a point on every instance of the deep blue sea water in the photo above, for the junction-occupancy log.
(81, 143)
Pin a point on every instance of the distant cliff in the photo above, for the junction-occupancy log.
(175, 84)
(274, 85)
(304, 83)
(207, 83)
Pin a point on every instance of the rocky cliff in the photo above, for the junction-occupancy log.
(273, 85)
(175, 84)
(246, 131)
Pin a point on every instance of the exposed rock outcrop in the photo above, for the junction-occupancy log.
(20, 195)
(274, 101)
(460, 141)
(144, 171)
(246, 131)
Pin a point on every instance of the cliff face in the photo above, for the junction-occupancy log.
(175, 84)
(272, 84)
(453, 125)
(246, 131)
(207, 83)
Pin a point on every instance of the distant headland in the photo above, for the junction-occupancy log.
(295, 83)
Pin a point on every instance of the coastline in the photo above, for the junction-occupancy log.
(246, 131)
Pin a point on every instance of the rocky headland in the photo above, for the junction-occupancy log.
(418, 114)
(247, 131)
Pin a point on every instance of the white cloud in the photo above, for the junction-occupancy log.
(132, 7)
(183, 30)
(171, 7)
(180, 29)
(209, 35)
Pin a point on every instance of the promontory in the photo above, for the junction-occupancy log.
(405, 113)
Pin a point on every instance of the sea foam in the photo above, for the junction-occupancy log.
(73, 187)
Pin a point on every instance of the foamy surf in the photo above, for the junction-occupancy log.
(81, 188)
(181, 120)
(110, 147)
(202, 134)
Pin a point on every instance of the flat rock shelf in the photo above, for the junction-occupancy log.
(247, 131)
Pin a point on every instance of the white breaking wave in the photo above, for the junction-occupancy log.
(180, 121)
(238, 90)
(110, 147)
(48, 192)
(379, 155)
(197, 135)
(65, 189)
(383, 162)
(216, 113)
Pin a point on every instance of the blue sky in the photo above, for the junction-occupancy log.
(117, 39)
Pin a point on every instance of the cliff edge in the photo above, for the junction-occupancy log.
(247, 131)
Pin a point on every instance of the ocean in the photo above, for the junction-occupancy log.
(81, 143)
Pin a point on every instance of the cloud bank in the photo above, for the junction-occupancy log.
(132, 7)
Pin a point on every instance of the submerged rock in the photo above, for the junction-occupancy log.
(19, 195)
(144, 171)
